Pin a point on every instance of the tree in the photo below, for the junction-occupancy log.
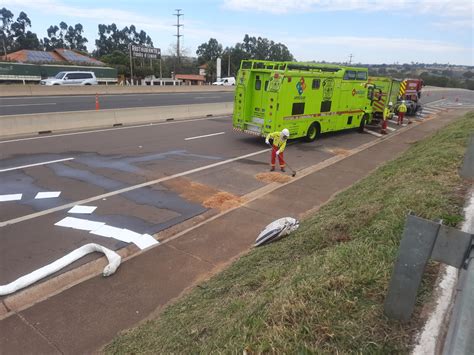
(468, 74)
(65, 36)
(5, 34)
(249, 48)
(265, 49)
(111, 38)
(210, 51)
(21, 38)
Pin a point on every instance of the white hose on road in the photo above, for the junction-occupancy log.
(24, 281)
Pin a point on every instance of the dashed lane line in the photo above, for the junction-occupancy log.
(204, 136)
(113, 129)
(36, 164)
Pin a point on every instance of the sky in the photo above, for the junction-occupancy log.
(373, 31)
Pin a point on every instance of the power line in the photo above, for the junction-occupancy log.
(178, 14)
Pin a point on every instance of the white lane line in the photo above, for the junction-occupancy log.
(113, 129)
(206, 97)
(46, 103)
(30, 165)
(372, 132)
(204, 136)
(130, 188)
(391, 129)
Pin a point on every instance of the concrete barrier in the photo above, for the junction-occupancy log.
(21, 125)
(39, 90)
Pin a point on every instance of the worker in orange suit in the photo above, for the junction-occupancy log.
(278, 143)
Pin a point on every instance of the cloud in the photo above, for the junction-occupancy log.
(378, 49)
(101, 14)
(379, 43)
(455, 8)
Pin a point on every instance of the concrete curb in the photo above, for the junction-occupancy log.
(39, 90)
(18, 125)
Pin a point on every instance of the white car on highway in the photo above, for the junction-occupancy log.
(71, 78)
(225, 81)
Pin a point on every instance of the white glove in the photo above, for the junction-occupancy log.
(267, 141)
(278, 152)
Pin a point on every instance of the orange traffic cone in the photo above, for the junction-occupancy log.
(97, 106)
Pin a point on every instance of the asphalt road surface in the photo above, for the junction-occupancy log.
(43, 104)
(144, 178)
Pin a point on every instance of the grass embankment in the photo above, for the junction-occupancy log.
(322, 288)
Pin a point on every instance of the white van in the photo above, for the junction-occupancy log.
(225, 81)
(71, 78)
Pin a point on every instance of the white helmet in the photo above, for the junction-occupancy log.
(390, 103)
(403, 101)
(285, 133)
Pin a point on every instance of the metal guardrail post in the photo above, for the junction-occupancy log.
(460, 337)
(422, 240)
(418, 239)
(467, 170)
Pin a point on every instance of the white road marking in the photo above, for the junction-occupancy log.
(126, 189)
(111, 129)
(47, 194)
(372, 132)
(36, 164)
(46, 103)
(82, 209)
(204, 136)
(391, 129)
(206, 97)
(10, 197)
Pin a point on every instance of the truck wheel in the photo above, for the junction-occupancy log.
(363, 121)
(313, 132)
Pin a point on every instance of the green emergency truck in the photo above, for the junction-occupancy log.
(306, 98)
(382, 90)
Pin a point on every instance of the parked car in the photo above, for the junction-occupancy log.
(225, 81)
(71, 78)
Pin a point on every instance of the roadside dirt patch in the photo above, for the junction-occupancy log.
(206, 195)
(340, 151)
(273, 177)
(222, 201)
(191, 191)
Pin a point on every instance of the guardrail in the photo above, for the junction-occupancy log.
(423, 240)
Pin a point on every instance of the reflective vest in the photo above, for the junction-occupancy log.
(402, 108)
(277, 140)
(386, 113)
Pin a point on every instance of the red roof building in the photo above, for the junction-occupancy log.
(56, 56)
(191, 79)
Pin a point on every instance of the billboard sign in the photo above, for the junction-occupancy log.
(145, 52)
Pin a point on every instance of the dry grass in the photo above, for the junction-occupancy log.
(323, 289)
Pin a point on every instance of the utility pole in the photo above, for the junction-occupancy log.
(350, 58)
(178, 14)
(228, 66)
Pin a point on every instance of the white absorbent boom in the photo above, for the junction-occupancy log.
(26, 280)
